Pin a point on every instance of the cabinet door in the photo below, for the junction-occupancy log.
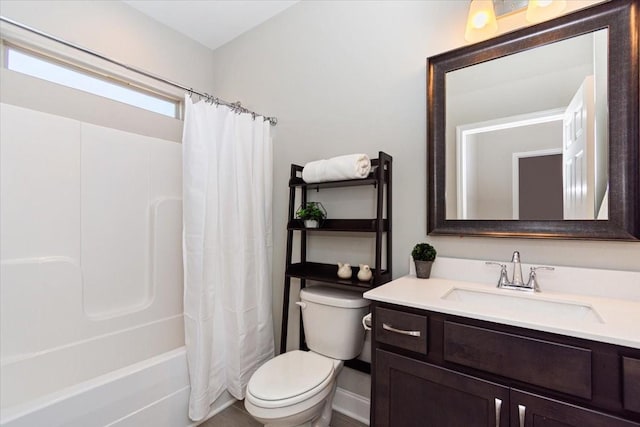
(411, 393)
(530, 410)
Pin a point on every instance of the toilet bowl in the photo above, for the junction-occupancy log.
(297, 387)
(293, 388)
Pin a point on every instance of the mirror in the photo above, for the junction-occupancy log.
(515, 125)
(535, 133)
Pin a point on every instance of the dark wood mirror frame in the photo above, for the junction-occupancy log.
(622, 19)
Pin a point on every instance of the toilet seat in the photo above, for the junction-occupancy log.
(290, 378)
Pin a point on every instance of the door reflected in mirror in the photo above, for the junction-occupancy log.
(527, 134)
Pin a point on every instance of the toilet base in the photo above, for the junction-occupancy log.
(318, 415)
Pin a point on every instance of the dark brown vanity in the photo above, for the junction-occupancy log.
(434, 369)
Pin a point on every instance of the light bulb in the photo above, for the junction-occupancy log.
(542, 10)
(481, 21)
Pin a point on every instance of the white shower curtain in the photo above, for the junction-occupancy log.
(227, 244)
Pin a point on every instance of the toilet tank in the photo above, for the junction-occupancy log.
(332, 320)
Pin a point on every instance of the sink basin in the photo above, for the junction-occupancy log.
(526, 307)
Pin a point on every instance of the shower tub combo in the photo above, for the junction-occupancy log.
(91, 276)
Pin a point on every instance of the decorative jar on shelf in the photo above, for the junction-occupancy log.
(364, 273)
(344, 270)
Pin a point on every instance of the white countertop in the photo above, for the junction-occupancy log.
(618, 320)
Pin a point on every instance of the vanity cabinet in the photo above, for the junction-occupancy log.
(528, 409)
(433, 369)
(411, 393)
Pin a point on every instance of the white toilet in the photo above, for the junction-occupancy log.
(297, 387)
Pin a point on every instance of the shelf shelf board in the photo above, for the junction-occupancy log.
(352, 225)
(369, 180)
(327, 273)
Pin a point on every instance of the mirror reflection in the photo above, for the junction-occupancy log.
(527, 134)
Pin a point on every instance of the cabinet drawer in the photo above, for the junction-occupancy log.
(559, 367)
(400, 329)
(631, 383)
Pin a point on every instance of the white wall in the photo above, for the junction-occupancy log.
(350, 76)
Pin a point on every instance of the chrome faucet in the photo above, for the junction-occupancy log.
(533, 281)
(517, 270)
(517, 282)
(504, 276)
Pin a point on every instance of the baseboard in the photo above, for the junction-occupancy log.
(352, 405)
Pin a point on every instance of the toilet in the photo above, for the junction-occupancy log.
(296, 388)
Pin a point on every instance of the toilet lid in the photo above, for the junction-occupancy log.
(289, 375)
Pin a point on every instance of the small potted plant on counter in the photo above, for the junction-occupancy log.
(423, 255)
(312, 213)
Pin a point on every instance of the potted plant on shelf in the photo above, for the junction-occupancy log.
(423, 255)
(312, 213)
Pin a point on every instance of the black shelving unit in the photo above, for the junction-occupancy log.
(379, 228)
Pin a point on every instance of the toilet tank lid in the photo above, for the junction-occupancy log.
(333, 296)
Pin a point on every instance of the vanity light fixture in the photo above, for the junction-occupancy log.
(541, 10)
(482, 22)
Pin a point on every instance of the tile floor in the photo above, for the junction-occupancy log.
(236, 416)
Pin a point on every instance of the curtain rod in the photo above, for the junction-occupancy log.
(208, 98)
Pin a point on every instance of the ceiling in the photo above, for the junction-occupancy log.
(211, 22)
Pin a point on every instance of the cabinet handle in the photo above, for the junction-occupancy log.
(521, 411)
(390, 328)
(498, 405)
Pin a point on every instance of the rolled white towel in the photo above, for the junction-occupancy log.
(350, 166)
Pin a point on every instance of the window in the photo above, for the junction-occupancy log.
(48, 69)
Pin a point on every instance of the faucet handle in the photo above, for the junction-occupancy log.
(504, 277)
(541, 267)
(533, 281)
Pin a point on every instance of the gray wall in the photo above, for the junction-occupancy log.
(493, 198)
(115, 30)
(120, 32)
(349, 76)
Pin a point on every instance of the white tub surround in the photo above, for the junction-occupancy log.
(612, 319)
(90, 271)
(154, 392)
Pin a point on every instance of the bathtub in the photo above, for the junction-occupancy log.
(91, 313)
(152, 392)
